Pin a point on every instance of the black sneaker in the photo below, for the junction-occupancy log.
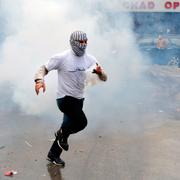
(55, 160)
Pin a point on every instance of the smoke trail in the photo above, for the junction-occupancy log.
(40, 28)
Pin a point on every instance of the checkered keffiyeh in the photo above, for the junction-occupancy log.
(78, 48)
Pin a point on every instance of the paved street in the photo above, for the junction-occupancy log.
(140, 142)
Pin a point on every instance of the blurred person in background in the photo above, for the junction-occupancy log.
(162, 42)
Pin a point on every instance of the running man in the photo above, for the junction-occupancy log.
(71, 66)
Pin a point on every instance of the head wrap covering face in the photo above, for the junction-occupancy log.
(77, 47)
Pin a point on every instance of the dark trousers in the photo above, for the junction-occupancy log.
(74, 119)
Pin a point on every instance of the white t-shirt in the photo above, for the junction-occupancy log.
(71, 72)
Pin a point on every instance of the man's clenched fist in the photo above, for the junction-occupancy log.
(39, 85)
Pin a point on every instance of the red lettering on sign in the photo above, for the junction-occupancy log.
(176, 4)
(172, 5)
(168, 5)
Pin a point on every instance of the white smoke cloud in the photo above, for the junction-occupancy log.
(40, 28)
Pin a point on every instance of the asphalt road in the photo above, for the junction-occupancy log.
(143, 144)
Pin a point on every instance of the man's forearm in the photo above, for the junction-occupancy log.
(39, 76)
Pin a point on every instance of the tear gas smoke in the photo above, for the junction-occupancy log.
(37, 29)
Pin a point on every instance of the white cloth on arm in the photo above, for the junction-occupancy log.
(40, 74)
(71, 72)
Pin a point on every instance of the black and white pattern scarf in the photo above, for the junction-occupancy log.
(77, 47)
